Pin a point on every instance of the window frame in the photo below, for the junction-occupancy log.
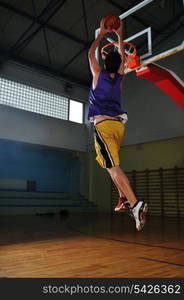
(49, 91)
(83, 110)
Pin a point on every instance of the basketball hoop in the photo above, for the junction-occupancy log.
(132, 60)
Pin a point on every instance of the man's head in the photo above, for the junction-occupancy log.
(112, 62)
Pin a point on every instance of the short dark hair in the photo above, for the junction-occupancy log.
(112, 62)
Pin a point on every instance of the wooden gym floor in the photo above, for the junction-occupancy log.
(90, 245)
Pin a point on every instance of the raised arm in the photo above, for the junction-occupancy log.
(119, 33)
(94, 66)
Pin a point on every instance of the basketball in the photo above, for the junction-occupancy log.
(111, 21)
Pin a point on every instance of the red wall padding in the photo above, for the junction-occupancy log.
(166, 80)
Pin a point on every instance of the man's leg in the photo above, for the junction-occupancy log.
(138, 208)
(122, 183)
(119, 191)
(123, 203)
(107, 143)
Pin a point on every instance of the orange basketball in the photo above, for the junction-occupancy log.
(111, 21)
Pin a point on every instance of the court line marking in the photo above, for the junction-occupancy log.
(161, 261)
(125, 241)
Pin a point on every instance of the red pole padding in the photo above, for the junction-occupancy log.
(166, 80)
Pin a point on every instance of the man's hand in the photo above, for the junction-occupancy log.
(104, 30)
(119, 31)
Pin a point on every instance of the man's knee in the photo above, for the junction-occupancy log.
(114, 171)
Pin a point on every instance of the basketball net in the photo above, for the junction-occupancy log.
(132, 60)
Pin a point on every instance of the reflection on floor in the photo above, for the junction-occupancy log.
(90, 245)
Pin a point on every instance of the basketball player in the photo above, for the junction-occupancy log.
(109, 119)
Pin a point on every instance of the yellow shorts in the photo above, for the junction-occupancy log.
(108, 138)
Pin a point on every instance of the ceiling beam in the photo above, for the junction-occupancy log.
(47, 47)
(177, 19)
(84, 48)
(73, 58)
(87, 36)
(23, 43)
(165, 31)
(50, 27)
(23, 35)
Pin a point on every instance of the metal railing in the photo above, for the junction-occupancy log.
(162, 189)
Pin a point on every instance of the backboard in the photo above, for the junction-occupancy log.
(156, 27)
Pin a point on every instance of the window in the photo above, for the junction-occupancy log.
(25, 97)
(76, 111)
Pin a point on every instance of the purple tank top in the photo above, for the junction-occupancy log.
(105, 99)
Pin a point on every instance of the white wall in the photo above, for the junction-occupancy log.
(152, 114)
(33, 128)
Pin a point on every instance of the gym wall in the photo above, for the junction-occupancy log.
(38, 79)
(152, 155)
(166, 154)
(19, 125)
(34, 147)
(24, 126)
(152, 114)
(49, 169)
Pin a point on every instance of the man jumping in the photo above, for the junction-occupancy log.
(109, 121)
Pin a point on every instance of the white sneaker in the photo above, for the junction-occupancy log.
(138, 212)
